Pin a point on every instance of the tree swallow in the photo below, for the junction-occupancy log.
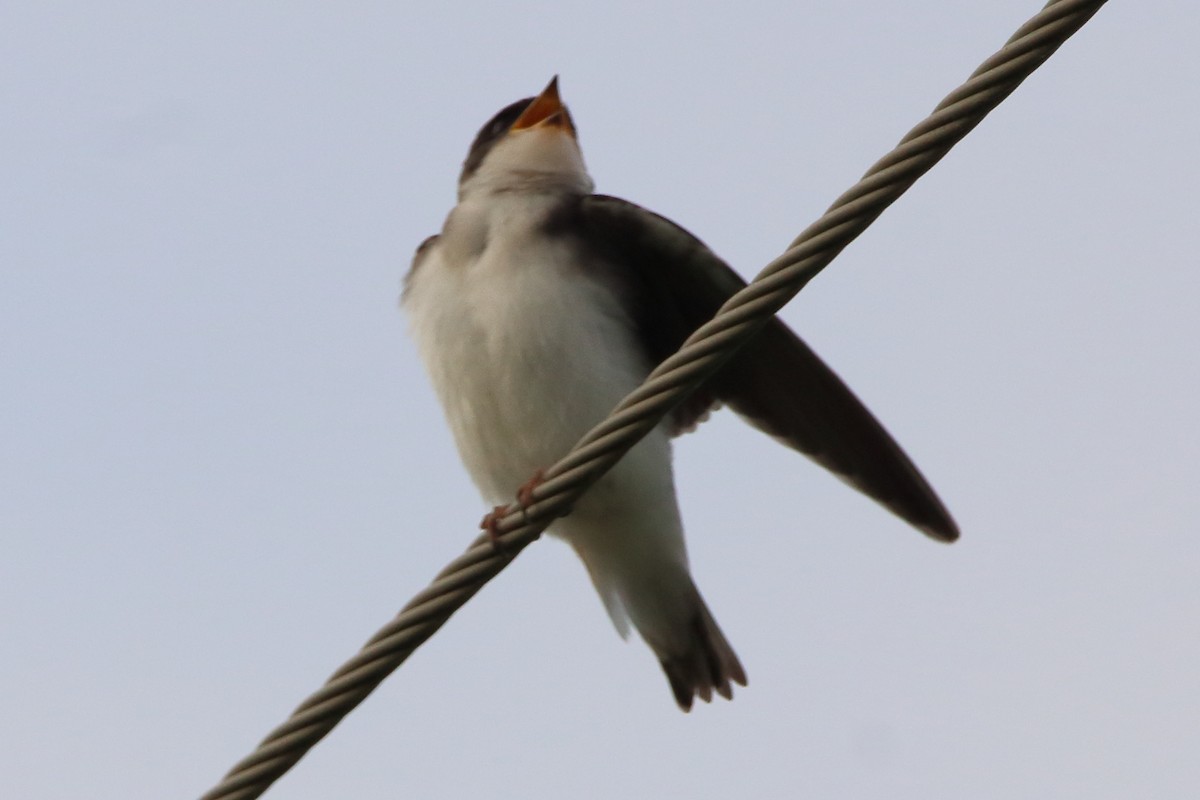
(541, 305)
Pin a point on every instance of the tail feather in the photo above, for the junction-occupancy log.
(707, 664)
(643, 580)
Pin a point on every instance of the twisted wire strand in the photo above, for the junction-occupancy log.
(669, 384)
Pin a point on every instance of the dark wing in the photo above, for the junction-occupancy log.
(775, 382)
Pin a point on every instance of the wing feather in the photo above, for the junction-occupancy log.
(776, 382)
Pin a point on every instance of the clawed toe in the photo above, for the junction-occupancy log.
(525, 493)
(491, 524)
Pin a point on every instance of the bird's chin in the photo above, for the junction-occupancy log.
(541, 159)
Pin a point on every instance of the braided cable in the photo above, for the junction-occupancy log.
(670, 383)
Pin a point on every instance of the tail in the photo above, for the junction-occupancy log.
(707, 663)
(635, 556)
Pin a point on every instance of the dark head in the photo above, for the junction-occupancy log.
(531, 136)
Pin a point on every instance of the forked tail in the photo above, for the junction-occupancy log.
(708, 663)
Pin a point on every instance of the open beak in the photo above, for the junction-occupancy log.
(546, 109)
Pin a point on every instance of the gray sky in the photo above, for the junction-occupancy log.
(222, 467)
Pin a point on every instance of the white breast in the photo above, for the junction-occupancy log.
(526, 352)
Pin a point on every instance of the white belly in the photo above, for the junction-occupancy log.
(526, 355)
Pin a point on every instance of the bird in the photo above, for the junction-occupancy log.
(541, 304)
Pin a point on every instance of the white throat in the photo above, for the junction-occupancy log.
(536, 159)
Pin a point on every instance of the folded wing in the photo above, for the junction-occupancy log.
(776, 382)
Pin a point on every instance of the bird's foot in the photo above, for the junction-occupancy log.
(491, 524)
(525, 493)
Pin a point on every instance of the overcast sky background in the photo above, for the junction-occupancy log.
(222, 468)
